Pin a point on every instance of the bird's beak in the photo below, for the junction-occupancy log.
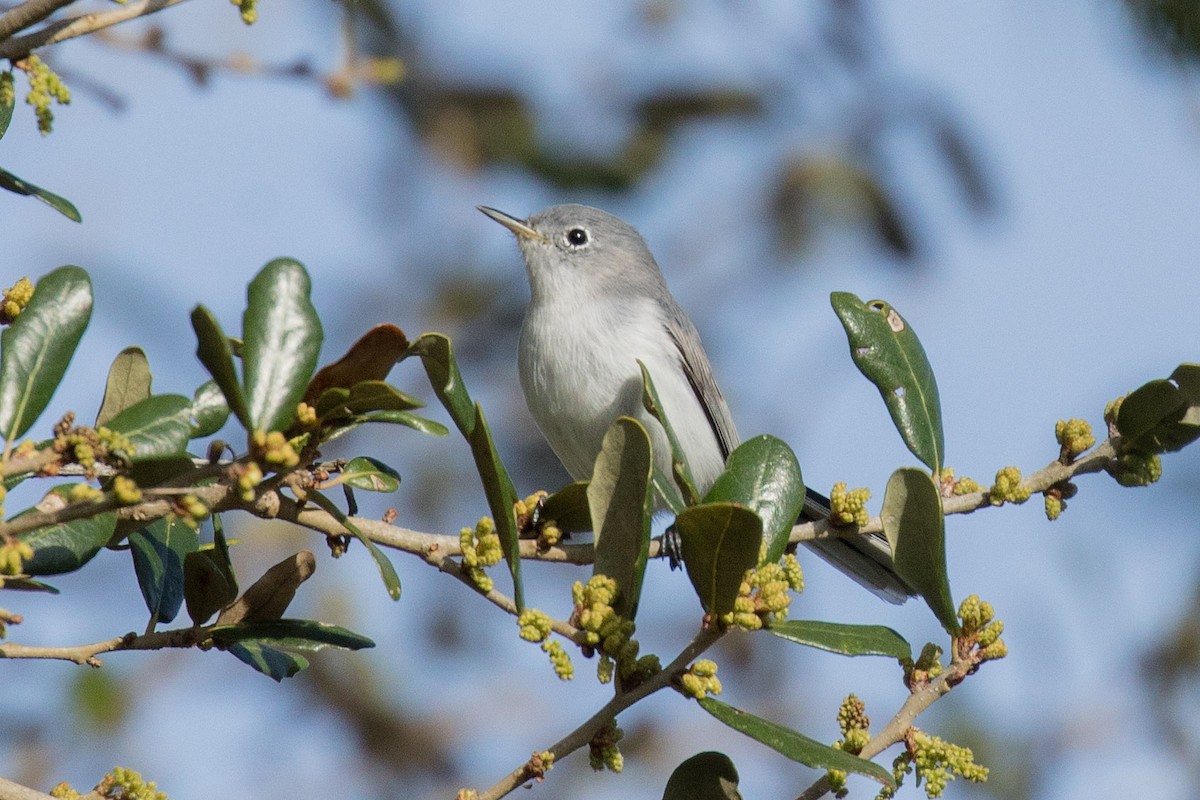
(518, 226)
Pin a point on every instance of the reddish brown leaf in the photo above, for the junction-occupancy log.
(369, 359)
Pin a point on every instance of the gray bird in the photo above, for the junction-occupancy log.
(598, 305)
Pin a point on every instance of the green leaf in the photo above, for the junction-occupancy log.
(216, 354)
(916, 530)
(6, 105)
(437, 356)
(763, 475)
(158, 552)
(275, 664)
(704, 776)
(128, 383)
(157, 426)
(391, 580)
(1164, 415)
(69, 545)
(621, 500)
(404, 418)
(290, 634)
(679, 466)
(209, 410)
(793, 745)
(361, 398)
(370, 475)
(208, 580)
(568, 507)
(27, 585)
(887, 351)
(719, 542)
(847, 640)
(19, 186)
(282, 341)
(36, 348)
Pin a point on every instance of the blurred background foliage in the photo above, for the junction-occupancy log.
(842, 148)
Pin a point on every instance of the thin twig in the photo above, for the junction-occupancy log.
(21, 46)
(20, 17)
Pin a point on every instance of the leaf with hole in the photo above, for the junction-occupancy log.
(370, 475)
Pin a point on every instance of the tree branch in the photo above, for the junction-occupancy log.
(28, 13)
(20, 46)
(15, 791)
(85, 654)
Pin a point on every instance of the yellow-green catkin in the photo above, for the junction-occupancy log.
(1136, 469)
(560, 659)
(306, 416)
(273, 450)
(764, 594)
(603, 752)
(958, 486)
(979, 622)
(17, 296)
(1074, 437)
(534, 625)
(701, 679)
(1008, 488)
(45, 87)
(848, 507)
(248, 9)
(13, 555)
(480, 549)
(610, 633)
(938, 762)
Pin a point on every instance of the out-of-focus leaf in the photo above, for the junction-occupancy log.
(209, 410)
(291, 634)
(846, 640)
(282, 341)
(763, 475)
(793, 745)
(274, 663)
(704, 776)
(36, 348)
(916, 530)
(437, 356)
(158, 552)
(887, 351)
(679, 466)
(391, 580)
(271, 594)
(128, 383)
(7, 100)
(1163, 415)
(371, 475)
(568, 507)
(69, 545)
(20, 186)
(719, 542)
(369, 359)
(621, 501)
(216, 354)
(157, 426)
(208, 580)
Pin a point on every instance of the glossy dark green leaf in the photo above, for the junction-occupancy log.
(209, 410)
(208, 580)
(916, 531)
(437, 356)
(27, 585)
(405, 418)
(568, 507)
(621, 501)
(719, 542)
(20, 186)
(216, 354)
(290, 634)
(363, 397)
(370, 475)
(69, 545)
(36, 348)
(793, 745)
(7, 100)
(1164, 415)
(681, 472)
(158, 552)
(282, 341)
(391, 580)
(844, 639)
(128, 382)
(157, 426)
(157, 470)
(704, 776)
(275, 664)
(887, 351)
(763, 475)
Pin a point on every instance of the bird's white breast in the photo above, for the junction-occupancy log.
(579, 375)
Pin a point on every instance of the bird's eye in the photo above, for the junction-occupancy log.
(577, 237)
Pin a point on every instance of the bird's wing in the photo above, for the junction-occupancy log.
(699, 374)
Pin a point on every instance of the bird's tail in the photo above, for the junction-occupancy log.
(867, 559)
